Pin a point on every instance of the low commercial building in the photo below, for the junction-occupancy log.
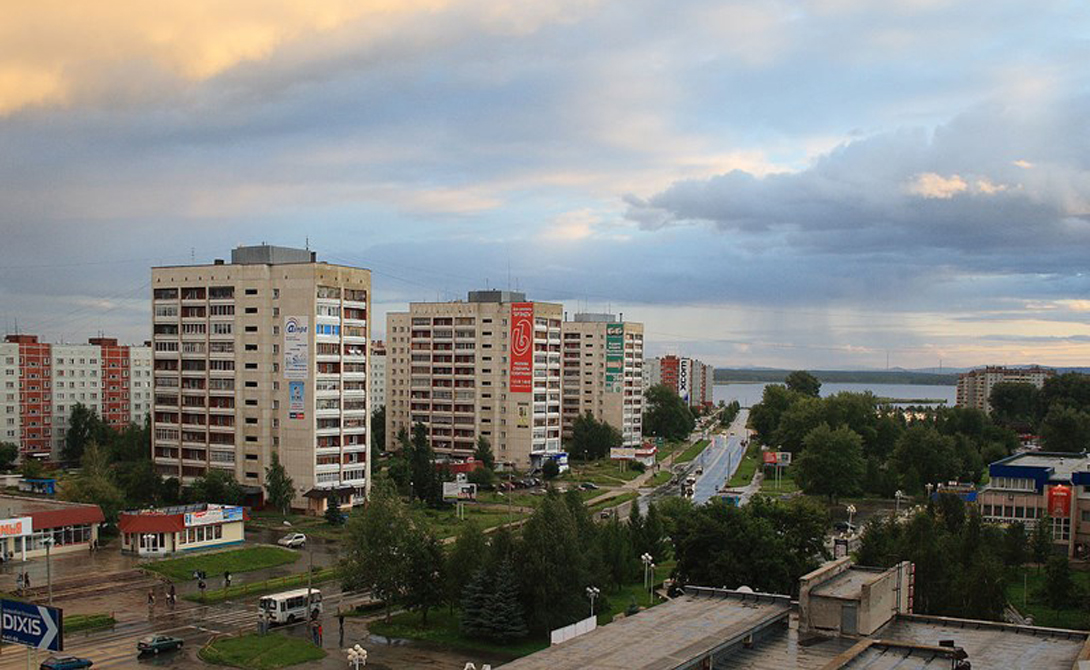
(31, 523)
(168, 530)
(1032, 486)
(975, 386)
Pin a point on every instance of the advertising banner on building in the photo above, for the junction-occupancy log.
(684, 378)
(17, 527)
(296, 346)
(521, 374)
(1059, 502)
(297, 400)
(213, 515)
(614, 357)
(769, 457)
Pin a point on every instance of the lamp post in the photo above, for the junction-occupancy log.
(592, 593)
(648, 575)
(851, 513)
(898, 495)
(48, 542)
(357, 656)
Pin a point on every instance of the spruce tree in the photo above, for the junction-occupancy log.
(505, 619)
(476, 599)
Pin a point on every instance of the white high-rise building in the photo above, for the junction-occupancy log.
(377, 370)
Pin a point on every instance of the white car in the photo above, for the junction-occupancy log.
(295, 540)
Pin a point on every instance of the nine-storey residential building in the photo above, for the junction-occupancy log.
(376, 367)
(975, 386)
(265, 354)
(603, 373)
(43, 382)
(691, 379)
(487, 367)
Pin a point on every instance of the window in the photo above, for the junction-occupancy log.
(251, 291)
(251, 310)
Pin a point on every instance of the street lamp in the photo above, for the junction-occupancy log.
(48, 542)
(357, 656)
(851, 513)
(647, 559)
(592, 593)
(149, 539)
(898, 495)
(648, 575)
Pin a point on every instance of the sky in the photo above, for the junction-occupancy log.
(825, 184)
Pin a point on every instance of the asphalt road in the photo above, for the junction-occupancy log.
(720, 461)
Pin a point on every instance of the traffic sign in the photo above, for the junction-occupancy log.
(32, 625)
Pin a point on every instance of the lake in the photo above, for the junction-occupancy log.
(749, 393)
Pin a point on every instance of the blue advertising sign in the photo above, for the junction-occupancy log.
(32, 625)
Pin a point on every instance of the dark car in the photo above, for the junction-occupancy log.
(157, 643)
(844, 527)
(65, 663)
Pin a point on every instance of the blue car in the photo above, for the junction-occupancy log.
(65, 663)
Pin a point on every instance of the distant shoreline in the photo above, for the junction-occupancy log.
(728, 376)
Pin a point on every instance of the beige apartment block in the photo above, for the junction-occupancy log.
(603, 373)
(488, 366)
(975, 386)
(267, 353)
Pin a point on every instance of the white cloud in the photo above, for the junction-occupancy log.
(931, 185)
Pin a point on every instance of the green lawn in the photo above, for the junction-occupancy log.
(74, 623)
(745, 471)
(786, 483)
(274, 585)
(619, 600)
(443, 629)
(300, 523)
(603, 472)
(1074, 617)
(614, 501)
(444, 523)
(235, 560)
(692, 452)
(660, 478)
(261, 652)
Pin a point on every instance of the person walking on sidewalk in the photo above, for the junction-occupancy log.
(340, 627)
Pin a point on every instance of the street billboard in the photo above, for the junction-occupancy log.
(769, 458)
(296, 346)
(459, 491)
(31, 625)
(521, 374)
(684, 378)
(614, 357)
(17, 527)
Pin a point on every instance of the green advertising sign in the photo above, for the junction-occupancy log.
(614, 357)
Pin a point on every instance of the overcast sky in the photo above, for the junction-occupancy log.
(818, 184)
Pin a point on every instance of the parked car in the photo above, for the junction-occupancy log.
(65, 663)
(844, 527)
(589, 486)
(156, 643)
(294, 540)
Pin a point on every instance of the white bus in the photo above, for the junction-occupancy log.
(290, 606)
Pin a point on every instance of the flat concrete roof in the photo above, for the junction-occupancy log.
(990, 645)
(779, 649)
(667, 636)
(1062, 466)
(848, 584)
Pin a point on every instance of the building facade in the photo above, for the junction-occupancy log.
(691, 379)
(486, 367)
(603, 374)
(43, 382)
(265, 354)
(33, 523)
(377, 369)
(975, 386)
(169, 530)
(1032, 486)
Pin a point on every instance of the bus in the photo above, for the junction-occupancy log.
(290, 606)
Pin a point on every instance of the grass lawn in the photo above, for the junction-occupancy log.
(235, 560)
(75, 623)
(614, 501)
(660, 478)
(786, 483)
(692, 452)
(444, 523)
(261, 652)
(745, 471)
(443, 629)
(274, 585)
(300, 523)
(603, 472)
(619, 600)
(1075, 617)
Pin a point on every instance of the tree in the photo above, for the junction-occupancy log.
(467, 556)
(1060, 589)
(424, 584)
(378, 433)
(666, 414)
(333, 515)
(593, 439)
(1071, 389)
(552, 568)
(216, 486)
(1014, 404)
(483, 453)
(84, 427)
(376, 545)
(764, 417)
(1041, 544)
(93, 484)
(426, 484)
(801, 381)
(32, 468)
(131, 444)
(9, 452)
(550, 469)
(1015, 545)
(279, 487)
(505, 620)
(1065, 428)
(618, 553)
(139, 482)
(923, 455)
(803, 416)
(831, 463)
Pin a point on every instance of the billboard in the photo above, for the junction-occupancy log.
(521, 375)
(296, 346)
(30, 625)
(17, 527)
(459, 491)
(1059, 502)
(213, 515)
(684, 378)
(614, 357)
(769, 457)
(297, 400)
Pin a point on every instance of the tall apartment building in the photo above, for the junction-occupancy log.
(265, 354)
(489, 366)
(42, 383)
(603, 373)
(975, 386)
(691, 379)
(377, 370)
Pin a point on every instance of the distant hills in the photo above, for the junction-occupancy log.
(723, 375)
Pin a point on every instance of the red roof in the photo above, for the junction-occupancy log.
(67, 516)
(152, 523)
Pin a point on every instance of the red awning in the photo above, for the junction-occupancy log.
(152, 523)
(67, 516)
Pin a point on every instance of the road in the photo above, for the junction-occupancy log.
(720, 460)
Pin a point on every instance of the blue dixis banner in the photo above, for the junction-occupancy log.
(32, 625)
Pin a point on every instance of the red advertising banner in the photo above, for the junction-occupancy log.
(521, 375)
(1059, 502)
(770, 458)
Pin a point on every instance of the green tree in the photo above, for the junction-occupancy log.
(333, 515)
(476, 599)
(618, 553)
(592, 439)
(1065, 428)
(1014, 404)
(84, 427)
(426, 483)
(1071, 389)
(550, 469)
(764, 417)
(666, 415)
(377, 542)
(140, 484)
(424, 585)
(467, 556)
(378, 433)
(483, 453)
(216, 486)
(1041, 543)
(132, 443)
(551, 564)
(923, 455)
(803, 416)
(94, 484)
(831, 463)
(801, 381)
(506, 622)
(279, 487)
(1060, 589)
(1015, 545)
(9, 452)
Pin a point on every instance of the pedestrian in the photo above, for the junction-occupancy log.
(172, 596)
(26, 580)
(340, 625)
(319, 633)
(314, 631)
(151, 598)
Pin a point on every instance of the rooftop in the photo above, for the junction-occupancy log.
(594, 317)
(1062, 465)
(49, 513)
(494, 295)
(848, 584)
(267, 254)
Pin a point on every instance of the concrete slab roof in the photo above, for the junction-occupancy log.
(669, 636)
(848, 584)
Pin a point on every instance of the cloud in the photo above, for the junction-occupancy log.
(931, 185)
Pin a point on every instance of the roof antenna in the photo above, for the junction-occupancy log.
(308, 242)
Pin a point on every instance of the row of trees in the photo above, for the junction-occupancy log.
(1057, 412)
(666, 415)
(849, 443)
